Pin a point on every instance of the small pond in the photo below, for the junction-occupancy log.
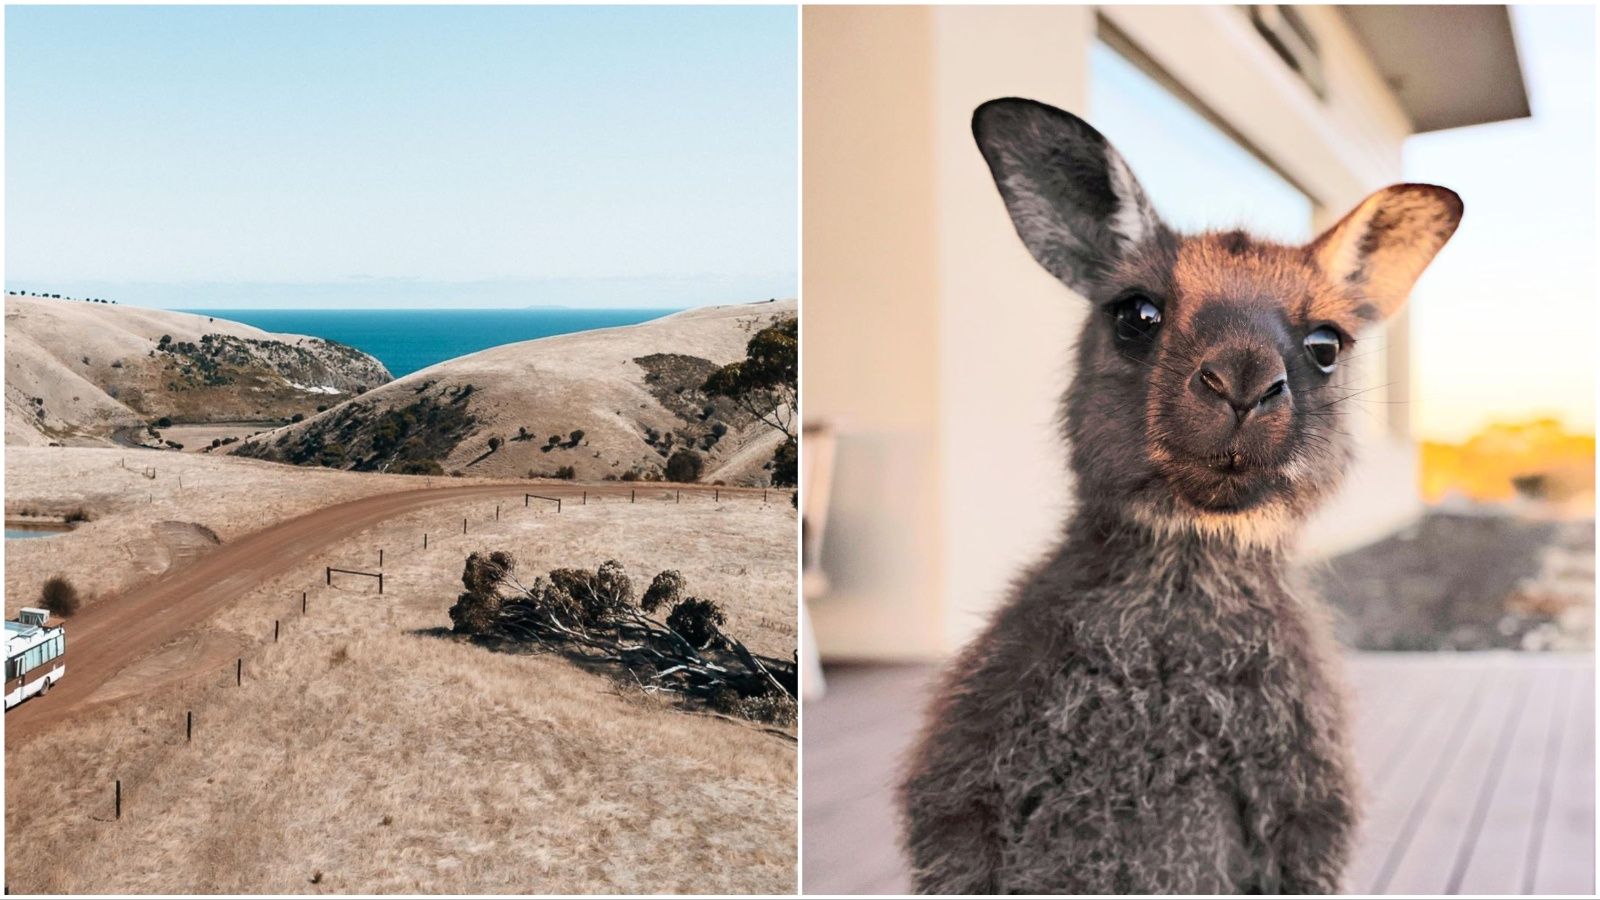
(21, 530)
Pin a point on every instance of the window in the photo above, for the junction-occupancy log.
(34, 657)
(1196, 174)
(1287, 33)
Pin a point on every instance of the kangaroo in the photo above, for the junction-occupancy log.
(1156, 709)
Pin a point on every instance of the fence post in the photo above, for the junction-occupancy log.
(585, 498)
(464, 522)
(119, 798)
(632, 494)
(302, 603)
(497, 512)
(274, 631)
(330, 576)
(424, 540)
(188, 726)
(716, 495)
(680, 496)
(380, 557)
(238, 673)
(380, 582)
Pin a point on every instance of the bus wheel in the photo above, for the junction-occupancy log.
(45, 688)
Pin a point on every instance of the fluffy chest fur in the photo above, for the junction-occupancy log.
(1146, 707)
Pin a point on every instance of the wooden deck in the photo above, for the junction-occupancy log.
(1479, 770)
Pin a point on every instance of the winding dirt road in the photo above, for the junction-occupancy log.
(107, 637)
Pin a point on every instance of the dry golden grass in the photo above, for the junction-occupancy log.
(230, 496)
(370, 749)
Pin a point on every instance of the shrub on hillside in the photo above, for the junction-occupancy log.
(664, 592)
(592, 617)
(698, 621)
(59, 596)
(418, 467)
(478, 606)
(333, 455)
(599, 596)
(786, 464)
(685, 465)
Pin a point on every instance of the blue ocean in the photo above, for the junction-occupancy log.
(406, 340)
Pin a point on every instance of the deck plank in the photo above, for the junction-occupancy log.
(1391, 799)
(1442, 822)
(1391, 703)
(1496, 860)
(1566, 858)
(864, 725)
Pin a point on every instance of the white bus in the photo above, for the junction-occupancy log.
(36, 655)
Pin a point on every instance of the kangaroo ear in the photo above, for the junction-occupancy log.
(1073, 200)
(1380, 249)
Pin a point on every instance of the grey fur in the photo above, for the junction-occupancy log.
(1148, 715)
(1157, 708)
(1075, 202)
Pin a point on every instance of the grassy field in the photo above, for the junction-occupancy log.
(367, 752)
(124, 540)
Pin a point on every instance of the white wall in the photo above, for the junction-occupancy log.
(1008, 325)
(869, 338)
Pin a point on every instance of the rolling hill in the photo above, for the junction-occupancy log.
(613, 403)
(80, 373)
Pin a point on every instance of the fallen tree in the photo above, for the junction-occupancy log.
(594, 615)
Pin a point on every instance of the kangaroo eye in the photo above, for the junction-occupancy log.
(1323, 346)
(1137, 317)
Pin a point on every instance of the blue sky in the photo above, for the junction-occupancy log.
(402, 156)
(1504, 322)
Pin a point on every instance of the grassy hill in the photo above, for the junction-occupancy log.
(80, 373)
(613, 403)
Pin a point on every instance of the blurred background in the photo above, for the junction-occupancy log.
(936, 351)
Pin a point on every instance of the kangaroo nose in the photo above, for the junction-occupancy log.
(1244, 384)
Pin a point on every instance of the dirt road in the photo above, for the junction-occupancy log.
(112, 634)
